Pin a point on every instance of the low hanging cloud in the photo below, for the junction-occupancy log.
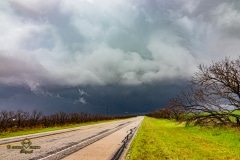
(88, 42)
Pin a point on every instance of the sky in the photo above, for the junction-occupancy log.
(99, 56)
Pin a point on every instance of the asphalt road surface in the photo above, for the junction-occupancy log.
(96, 142)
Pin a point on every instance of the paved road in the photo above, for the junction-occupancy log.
(99, 141)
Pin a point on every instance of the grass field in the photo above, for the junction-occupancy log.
(40, 130)
(164, 139)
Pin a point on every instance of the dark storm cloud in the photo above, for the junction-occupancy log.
(101, 99)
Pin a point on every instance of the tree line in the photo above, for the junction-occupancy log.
(18, 120)
(212, 97)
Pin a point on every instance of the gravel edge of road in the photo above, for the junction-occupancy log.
(125, 153)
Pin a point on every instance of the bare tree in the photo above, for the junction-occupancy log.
(22, 118)
(3, 120)
(176, 109)
(214, 94)
(34, 118)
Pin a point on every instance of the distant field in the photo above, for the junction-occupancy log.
(40, 130)
(163, 139)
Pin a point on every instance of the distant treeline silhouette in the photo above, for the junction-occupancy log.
(18, 120)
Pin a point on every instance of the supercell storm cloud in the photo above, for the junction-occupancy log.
(60, 50)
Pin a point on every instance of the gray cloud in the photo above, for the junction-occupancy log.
(80, 42)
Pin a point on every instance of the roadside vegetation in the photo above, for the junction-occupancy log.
(167, 139)
(203, 122)
(22, 122)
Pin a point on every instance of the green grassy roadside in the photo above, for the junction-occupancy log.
(164, 139)
(40, 130)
